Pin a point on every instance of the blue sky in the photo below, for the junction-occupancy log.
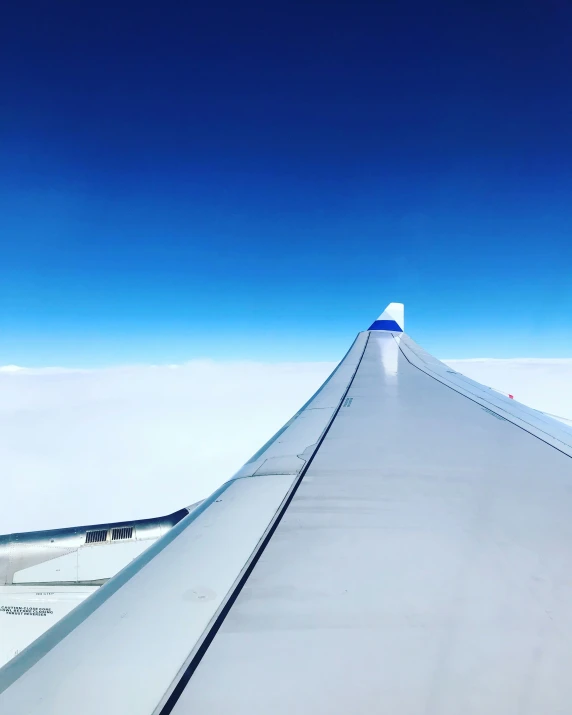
(257, 181)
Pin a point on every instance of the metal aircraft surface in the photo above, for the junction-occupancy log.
(402, 545)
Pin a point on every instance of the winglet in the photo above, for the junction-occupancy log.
(391, 319)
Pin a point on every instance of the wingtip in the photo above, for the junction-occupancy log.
(391, 319)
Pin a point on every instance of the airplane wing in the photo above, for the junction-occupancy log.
(45, 574)
(403, 545)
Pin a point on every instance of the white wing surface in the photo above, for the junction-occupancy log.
(45, 574)
(403, 545)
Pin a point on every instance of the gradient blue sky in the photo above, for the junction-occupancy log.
(257, 180)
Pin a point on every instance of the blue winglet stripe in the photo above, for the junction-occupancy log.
(385, 325)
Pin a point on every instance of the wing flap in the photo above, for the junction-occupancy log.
(540, 425)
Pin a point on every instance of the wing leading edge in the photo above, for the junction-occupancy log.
(398, 546)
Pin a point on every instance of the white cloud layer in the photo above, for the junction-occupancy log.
(81, 447)
(86, 446)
